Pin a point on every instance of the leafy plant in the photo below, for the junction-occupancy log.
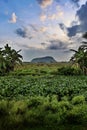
(69, 71)
(8, 59)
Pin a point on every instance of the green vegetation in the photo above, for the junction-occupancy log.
(8, 59)
(80, 57)
(42, 111)
(20, 87)
(43, 100)
(37, 96)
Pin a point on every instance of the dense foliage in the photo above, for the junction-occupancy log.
(35, 95)
(42, 94)
(20, 87)
(69, 71)
(42, 112)
(8, 59)
(80, 57)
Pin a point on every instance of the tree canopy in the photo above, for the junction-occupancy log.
(8, 59)
(80, 56)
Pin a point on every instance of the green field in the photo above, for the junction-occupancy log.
(35, 95)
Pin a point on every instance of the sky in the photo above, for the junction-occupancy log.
(43, 27)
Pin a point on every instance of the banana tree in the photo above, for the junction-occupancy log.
(80, 57)
(9, 58)
(12, 57)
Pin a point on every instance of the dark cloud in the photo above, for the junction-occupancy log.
(63, 27)
(70, 31)
(56, 45)
(76, 2)
(23, 32)
(85, 35)
(73, 30)
(43, 44)
(40, 1)
(81, 14)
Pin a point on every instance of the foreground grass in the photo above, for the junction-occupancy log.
(42, 112)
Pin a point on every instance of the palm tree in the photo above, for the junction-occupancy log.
(2, 62)
(15, 58)
(12, 57)
(8, 59)
(80, 57)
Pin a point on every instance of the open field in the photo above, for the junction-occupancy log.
(35, 95)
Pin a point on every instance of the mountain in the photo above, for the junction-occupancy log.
(47, 59)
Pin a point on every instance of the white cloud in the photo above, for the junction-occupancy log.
(43, 17)
(55, 16)
(45, 3)
(13, 18)
(52, 17)
(43, 29)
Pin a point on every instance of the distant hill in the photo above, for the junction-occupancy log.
(47, 59)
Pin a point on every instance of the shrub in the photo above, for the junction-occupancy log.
(69, 71)
(78, 100)
(77, 115)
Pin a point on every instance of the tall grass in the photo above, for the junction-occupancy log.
(42, 111)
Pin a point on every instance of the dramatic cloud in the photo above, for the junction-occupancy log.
(13, 18)
(73, 30)
(44, 3)
(56, 45)
(81, 14)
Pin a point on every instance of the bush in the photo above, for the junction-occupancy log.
(69, 71)
(78, 100)
(77, 115)
(42, 111)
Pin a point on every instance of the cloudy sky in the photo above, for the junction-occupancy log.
(43, 27)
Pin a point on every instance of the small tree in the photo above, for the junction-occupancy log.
(80, 57)
(8, 59)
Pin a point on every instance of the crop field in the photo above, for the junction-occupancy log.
(35, 95)
(17, 87)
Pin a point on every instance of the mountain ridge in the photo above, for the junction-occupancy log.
(46, 59)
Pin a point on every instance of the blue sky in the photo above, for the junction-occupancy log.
(43, 27)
